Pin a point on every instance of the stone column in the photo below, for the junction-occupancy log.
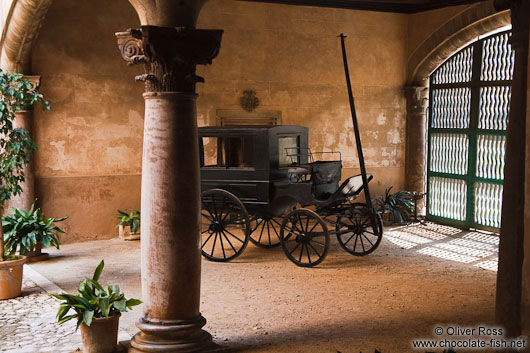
(171, 255)
(24, 120)
(509, 275)
(415, 149)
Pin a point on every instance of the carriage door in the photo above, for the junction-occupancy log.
(468, 116)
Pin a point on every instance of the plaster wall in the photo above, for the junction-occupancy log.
(89, 158)
(88, 161)
(291, 57)
(422, 25)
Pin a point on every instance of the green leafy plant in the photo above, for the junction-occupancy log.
(131, 219)
(24, 229)
(93, 301)
(16, 146)
(395, 207)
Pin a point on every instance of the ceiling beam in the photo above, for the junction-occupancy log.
(399, 6)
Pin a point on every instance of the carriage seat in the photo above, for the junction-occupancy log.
(325, 176)
(352, 186)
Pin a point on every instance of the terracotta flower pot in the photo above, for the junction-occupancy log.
(11, 277)
(125, 233)
(36, 250)
(36, 254)
(101, 336)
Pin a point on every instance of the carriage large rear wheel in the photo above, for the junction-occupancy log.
(359, 230)
(265, 231)
(304, 238)
(225, 226)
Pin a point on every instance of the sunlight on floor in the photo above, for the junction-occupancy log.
(472, 247)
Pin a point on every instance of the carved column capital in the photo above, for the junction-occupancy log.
(35, 80)
(169, 55)
(417, 99)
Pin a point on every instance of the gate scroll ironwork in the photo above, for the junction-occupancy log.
(468, 116)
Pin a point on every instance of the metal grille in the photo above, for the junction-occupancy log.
(448, 197)
(456, 69)
(470, 100)
(497, 58)
(449, 153)
(450, 108)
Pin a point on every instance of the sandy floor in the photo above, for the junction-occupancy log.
(261, 302)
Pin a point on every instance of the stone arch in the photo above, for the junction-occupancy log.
(456, 33)
(451, 37)
(20, 32)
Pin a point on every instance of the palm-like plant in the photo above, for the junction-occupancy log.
(24, 229)
(93, 301)
(398, 205)
(131, 219)
(16, 93)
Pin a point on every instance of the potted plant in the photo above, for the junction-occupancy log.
(29, 231)
(129, 225)
(16, 146)
(97, 312)
(394, 207)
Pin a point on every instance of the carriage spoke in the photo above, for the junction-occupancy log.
(229, 242)
(296, 247)
(355, 242)
(214, 242)
(315, 250)
(268, 232)
(207, 240)
(307, 251)
(372, 244)
(261, 233)
(222, 245)
(301, 252)
(314, 226)
(226, 230)
(362, 243)
(350, 238)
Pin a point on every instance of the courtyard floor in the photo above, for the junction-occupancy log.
(421, 277)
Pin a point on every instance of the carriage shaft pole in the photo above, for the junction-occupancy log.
(356, 126)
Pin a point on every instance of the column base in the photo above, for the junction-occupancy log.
(171, 336)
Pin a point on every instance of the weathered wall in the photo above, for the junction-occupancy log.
(419, 28)
(89, 158)
(291, 57)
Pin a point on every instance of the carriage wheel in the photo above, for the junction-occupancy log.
(304, 238)
(266, 231)
(225, 225)
(360, 231)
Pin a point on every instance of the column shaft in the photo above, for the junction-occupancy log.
(24, 120)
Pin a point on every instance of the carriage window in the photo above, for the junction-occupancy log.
(213, 152)
(289, 150)
(234, 152)
(240, 152)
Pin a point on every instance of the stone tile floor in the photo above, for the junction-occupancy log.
(27, 324)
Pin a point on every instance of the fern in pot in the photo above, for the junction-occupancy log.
(97, 311)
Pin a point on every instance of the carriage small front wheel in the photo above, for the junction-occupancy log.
(265, 231)
(360, 230)
(304, 237)
(225, 225)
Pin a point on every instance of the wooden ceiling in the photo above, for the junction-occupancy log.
(401, 6)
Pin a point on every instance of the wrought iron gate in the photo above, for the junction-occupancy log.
(468, 116)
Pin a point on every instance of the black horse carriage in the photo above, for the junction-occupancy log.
(253, 181)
